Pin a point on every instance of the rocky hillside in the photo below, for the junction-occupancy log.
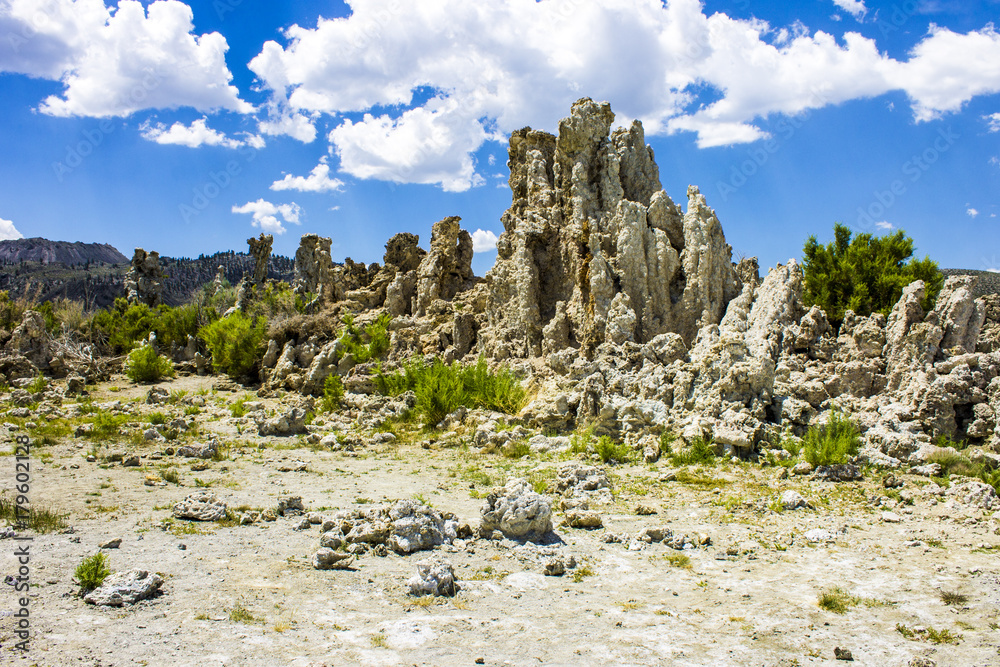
(99, 283)
(69, 253)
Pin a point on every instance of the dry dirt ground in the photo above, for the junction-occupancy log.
(925, 586)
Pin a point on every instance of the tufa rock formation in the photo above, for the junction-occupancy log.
(314, 269)
(144, 282)
(595, 250)
(260, 249)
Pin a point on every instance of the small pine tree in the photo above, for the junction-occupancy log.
(866, 274)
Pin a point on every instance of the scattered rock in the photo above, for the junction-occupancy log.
(328, 559)
(583, 519)
(842, 654)
(200, 506)
(112, 544)
(196, 451)
(434, 578)
(124, 588)
(516, 511)
(555, 567)
(792, 500)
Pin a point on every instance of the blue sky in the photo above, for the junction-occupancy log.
(188, 127)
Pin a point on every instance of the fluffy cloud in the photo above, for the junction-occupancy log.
(483, 240)
(265, 214)
(993, 122)
(884, 226)
(8, 231)
(294, 125)
(971, 212)
(195, 135)
(117, 62)
(855, 8)
(429, 144)
(318, 180)
(433, 81)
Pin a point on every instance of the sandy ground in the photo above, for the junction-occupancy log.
(749, 597)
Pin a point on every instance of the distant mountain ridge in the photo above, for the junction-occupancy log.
(70, 253)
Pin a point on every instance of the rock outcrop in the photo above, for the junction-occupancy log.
(314, 269)
(447, 269)
(595, 250)
(260, 249)
(144, 281)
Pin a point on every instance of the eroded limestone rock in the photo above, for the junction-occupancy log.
(588, 221)
(144, 281)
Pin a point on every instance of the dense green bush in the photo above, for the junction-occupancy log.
(92, 572)
(832, 442)
(333, 392)
(700, 451)
(369, 343)
(145, 365)
(123, 325)
(236, 343)
(441, 389)
(866, 274)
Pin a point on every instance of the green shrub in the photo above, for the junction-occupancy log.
(581, 441)
(832, 442)
(700, 451)
(515, 449)
(333, 392)
(92, 572)
(235, 342)
(370, 343)
(37, 385)
(144, 364)
(441, 389)
(612, 451)
(866, 274)
(106, 425)
(238, 407)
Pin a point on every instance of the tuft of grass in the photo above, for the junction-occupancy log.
(238, 407)
(106, 426)
(832, 442)
(582, 572)
(38, 519)
(378, 640)
(944, 636)
(954, 598)
(38, 385)
(91, 572)
(838, 600)
(171, 475)
(240, 614)
(156, 418)
(700, 451)
(678, 560)
(441, 389)
(516, 449)
(612, 451)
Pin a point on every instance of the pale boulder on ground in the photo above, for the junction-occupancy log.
(434, 578)
(516, 511)
(124, 588)
(200, 506)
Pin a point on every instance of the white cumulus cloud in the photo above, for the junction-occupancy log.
(483, 240)
(855, 8)
(195, 135)
(884, 225)
(8, 231)
(318, 180)
(484, 69)
(993, 122)
(116, 61)
(971, 212)
(265, 214)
